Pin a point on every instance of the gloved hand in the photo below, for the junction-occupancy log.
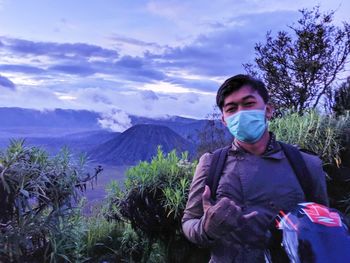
(222, 217)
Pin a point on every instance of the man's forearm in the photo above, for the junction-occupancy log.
(194, 231)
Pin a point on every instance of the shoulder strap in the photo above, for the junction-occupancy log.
(292, 153)
(215, 170)
(297, 162)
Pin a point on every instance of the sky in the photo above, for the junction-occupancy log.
(121, 57)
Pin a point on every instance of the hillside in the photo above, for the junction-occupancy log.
(139, 143)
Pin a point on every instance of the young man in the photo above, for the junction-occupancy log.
(257, 180)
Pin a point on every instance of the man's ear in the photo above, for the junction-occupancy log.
(269, 111)
(223, 120)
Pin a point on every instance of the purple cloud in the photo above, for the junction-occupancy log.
(62, 50)
(135, 42)
(6, 83)
(78, 69)
(21, 68)
(149, 95)
(219, 53)
(222, 51)
(197, 84)
(98, 98)
(130, 62)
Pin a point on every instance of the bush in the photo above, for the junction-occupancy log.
(329, 137)
(152, 202)
(342, 98)
(39, 197)
(322, 134)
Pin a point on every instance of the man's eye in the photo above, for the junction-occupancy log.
(231, 109)
(249, 103)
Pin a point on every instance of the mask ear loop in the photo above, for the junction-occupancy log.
(266, 120)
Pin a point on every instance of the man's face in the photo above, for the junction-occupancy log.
(246, 98)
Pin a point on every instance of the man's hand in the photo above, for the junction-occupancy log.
(222, 217)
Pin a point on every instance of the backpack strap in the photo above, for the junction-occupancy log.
(292, 153)
(297, 162)
(215, 170)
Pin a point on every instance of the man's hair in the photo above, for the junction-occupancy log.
(235, 83)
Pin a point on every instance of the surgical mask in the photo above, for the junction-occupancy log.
(247, 125)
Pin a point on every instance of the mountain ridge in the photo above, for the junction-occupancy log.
(139, 143)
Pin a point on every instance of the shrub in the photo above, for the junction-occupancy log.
(152, 202)
(329, 137)
(322, 134)
(39, 221)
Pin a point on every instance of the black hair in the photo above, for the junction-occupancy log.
(235, 83)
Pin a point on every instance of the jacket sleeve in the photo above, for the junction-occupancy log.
(314, 165)
(193, 218)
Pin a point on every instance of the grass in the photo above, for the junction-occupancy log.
(322, 134)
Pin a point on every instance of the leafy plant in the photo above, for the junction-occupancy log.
(38, 196)
(329, 137)
(153, 201)
(342, 98)
(322, 134)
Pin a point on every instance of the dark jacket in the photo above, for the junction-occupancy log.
(266, 184)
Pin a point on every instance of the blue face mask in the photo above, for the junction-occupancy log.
(247, 125)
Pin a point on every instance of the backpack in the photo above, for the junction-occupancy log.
(293, 155)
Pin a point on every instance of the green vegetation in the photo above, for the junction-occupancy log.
(39, 220)
(41, 197)
(329, 137)
(342, 98)
(322, 134)
(140, 221)
(152, 203)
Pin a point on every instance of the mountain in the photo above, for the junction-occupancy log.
(57, 118)
(76, 142)
(81, 132)
(20, 122)
(24, 123)
(186, 127)
(139, 143)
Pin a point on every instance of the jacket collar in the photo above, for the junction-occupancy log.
(273, 149)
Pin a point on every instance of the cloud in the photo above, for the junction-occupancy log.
(171, 80)
(149, 95)
(130, 62)
(170, 9)
(192, 98)
(135, 42)
(203, 84)
(61, 50)
(172, 97)
(6, 83)
(99, 98)
(222, 51)
(21, 68)
(115, 120)
(81, 70)
(138, 69)
(77, 60)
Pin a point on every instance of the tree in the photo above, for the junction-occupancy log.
(300, 66)
(342, 98)
(213, 135)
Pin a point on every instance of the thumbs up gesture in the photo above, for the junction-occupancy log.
(222, 217)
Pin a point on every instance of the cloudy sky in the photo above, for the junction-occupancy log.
(149, 58)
